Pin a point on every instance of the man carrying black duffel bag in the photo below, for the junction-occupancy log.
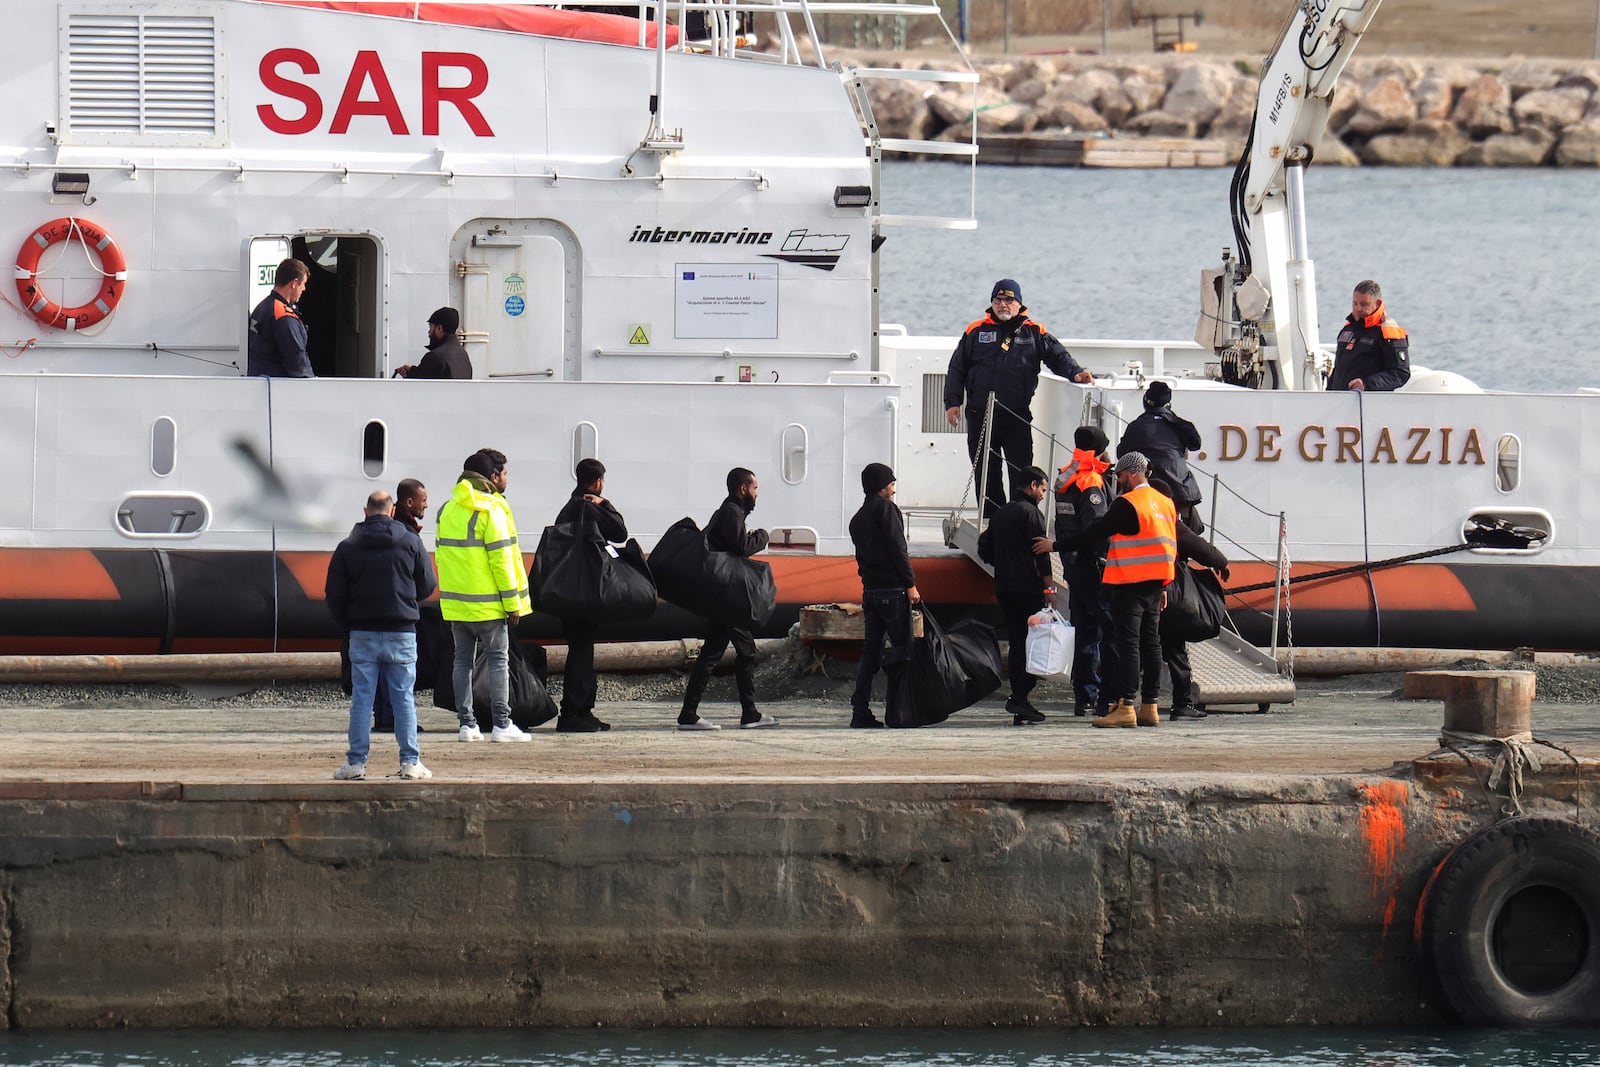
(888, 589)
(578, 682)
(726, 533)
(1175, 644)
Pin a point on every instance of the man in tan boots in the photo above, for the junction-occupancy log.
(1140, 562)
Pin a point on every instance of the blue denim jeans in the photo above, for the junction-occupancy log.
(381, 658)
(492, 635)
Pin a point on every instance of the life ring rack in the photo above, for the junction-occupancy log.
(113, 270)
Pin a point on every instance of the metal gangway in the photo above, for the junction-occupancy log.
(1228, 669)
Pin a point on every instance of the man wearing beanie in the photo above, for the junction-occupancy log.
(1165, 440)
(1000, 355)
(888, 589)
(446, 357)
(1082, 496)
(483, 587)
(1140, 562)
(1021, 576)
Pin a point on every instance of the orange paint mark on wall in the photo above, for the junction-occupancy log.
(1383, 830)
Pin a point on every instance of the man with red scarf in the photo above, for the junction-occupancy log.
(1082, 495)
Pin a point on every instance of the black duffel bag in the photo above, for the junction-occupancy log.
(530, 702)
(1195, 608)
(727, 588)
(578, 574)
(949, 669)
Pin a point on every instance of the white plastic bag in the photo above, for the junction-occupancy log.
(1050, 641)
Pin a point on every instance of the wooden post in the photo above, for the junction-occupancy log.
(1493, 703)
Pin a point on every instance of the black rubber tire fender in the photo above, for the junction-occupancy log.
(1460, 930)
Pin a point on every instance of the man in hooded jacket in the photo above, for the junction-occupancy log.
(375, 579)
(578, 681)
(1165, 439)
(888, 589)
(1000, 355)
(726, 532)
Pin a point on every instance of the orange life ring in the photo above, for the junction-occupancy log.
(112, 266)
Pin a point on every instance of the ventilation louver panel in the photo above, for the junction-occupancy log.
(141, 79)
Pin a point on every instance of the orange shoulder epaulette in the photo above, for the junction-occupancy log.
(1393, 330)
(280, 309)
(973, 325)
(1041, 326)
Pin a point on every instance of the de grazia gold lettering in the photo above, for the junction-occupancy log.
(1269, 443)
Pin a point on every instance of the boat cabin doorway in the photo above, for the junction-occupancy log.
(341, 306)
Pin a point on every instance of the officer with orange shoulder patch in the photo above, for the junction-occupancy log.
(277, 346)
(1373, 350)
(1000, 354)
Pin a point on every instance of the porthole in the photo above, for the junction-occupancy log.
(163, 446)
(1508, 463)
(374, 449)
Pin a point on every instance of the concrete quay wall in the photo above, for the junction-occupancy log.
(1183, 900)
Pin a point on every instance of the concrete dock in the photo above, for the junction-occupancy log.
(198, 866)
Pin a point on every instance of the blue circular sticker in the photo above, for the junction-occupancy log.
(515, 306)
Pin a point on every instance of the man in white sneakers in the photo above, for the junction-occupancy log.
(483, 587)
(375, 579)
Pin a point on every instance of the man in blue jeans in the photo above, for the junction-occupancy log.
(375, 579)
(888, 589)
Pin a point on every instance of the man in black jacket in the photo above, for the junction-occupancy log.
(726, 533)
(1000, 354)
(1165, 440)
(888, 589)
(1021, 581)
(447, 357)
(1373, 353)
(578, 682)
(277, 341)
(375, 579)
(1174, 649)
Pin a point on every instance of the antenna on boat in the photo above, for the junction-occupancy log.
(657, 139)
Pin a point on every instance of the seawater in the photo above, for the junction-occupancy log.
(804, 1048)
(1492, 271)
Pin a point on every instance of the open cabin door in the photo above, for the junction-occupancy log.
(341, 306)
(519, 309)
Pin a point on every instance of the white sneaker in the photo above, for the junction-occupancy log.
(699, 724)
(414, 770)
(469, 733)
(509, 732)
(765, 720)
(350, 772)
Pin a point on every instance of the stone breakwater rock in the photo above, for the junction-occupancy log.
(1387, 110)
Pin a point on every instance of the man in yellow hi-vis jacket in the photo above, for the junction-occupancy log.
(483, 587)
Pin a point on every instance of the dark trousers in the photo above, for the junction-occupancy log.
(578, 682)
(1091, 627)
(744, 670)
(1015, 607)
(887, 615)
(1176, 653)
(1136, 626)
(1010, 436)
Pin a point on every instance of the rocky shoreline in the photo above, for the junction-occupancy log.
(1387, 110)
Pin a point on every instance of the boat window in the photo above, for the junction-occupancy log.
(163, 446)
(1508, 531)
(374, 449)
(795, 448)
(585, 442)
(162, 515)
(933, 420)
(1508, 463)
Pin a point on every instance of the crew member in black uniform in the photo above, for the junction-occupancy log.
(726, 532)
(1001, 354)
(888, 589)
(578, 682)
(1373, 353)
(1082, 496)
(277, 342)
(1164, 438)
(1021, 582)
(447, 357)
